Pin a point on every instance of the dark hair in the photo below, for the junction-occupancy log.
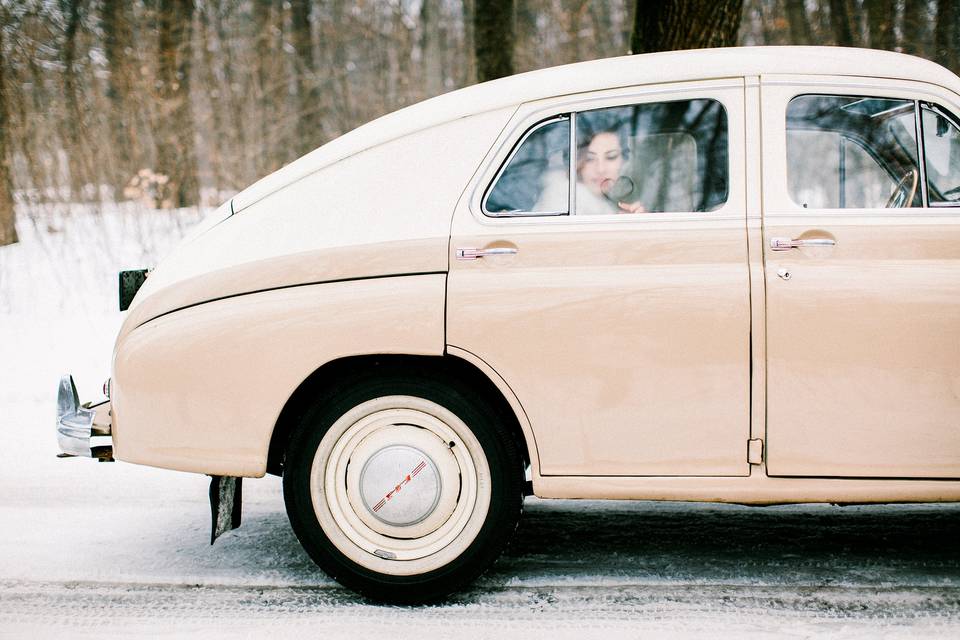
(590, 124)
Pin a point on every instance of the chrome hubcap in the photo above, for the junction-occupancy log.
(402, 480)
(400, 485)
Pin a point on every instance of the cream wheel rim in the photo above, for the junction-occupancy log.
(400, 485)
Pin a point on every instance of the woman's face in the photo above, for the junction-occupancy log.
(602, 162)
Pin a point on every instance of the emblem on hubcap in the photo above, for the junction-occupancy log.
(400, 485)
(413, 474)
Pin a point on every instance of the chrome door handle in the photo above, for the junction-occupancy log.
(473, 254)
(785, 244)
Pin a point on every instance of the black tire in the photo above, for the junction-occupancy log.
(324, 459)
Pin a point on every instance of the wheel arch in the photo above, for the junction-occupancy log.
(462, 367)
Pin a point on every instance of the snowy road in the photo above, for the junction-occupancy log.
(89, 549)
(100, 548)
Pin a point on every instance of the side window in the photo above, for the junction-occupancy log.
(657, 157)
(654, 157)
(852, 152)
(941, 150)
(536, 177)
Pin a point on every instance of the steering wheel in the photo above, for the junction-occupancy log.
(894, 201)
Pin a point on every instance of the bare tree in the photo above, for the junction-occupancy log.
(692, 24)
(881, 15)
(493, 38)
(469, 74)
(840, 22)
(308, 85)
(915, 34)
(945, 34)
(86, 99)
(800, 31)
(338, 56)
(8, 228)
(430, 47)
(118, 49)
(609, 40)
(74, 126)
(176, 157)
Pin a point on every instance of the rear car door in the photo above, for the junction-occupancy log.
(862, 261)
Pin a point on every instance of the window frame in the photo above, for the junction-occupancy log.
(844, 138)
(570, 114)
(941, 111)
(570, 118)
(776, 91)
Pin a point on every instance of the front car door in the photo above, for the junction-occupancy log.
(862, 262)
(612, 291)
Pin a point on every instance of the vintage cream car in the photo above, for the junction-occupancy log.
(721, 275)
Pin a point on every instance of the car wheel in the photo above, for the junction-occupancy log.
(402, 488)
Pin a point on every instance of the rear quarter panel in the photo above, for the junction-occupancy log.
(201, 389)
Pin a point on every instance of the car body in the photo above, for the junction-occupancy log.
(777, 320)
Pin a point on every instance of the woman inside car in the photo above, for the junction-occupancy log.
(601, 159)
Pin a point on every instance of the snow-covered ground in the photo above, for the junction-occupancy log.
(90, 549)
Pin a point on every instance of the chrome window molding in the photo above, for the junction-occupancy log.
(921, 155)
(937, 109)
(918, 133)
(572, 197)
(506, 163)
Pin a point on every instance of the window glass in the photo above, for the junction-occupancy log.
(665, 156)
(941, 149)
(536, 178)
(852, 152)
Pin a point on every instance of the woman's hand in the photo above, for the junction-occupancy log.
(631, 207)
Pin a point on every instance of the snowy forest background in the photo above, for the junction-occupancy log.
(123, 121)
(179, 103)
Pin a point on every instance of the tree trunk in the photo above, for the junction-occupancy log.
(73, 129)
(468, 75)
(261, 24)
(493, 37)
(430, 46)
(239, 164)
(840, 21)
(880, 17)
(339, 56)
(945, 34)
(309, 126)
(800, 32)
(575, 11)
(216, 143)
(671, 25)
(767, 22)
(608, 38)
(527, 40)
(8, 228)
(916, 28)
(176, 159)
(118, 48)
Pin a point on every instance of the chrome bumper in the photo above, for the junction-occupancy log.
(82, 430)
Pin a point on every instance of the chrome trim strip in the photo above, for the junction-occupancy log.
(921, 156)
(949, 116)
(572, 164)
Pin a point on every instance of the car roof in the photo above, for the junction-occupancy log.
(607, 73)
